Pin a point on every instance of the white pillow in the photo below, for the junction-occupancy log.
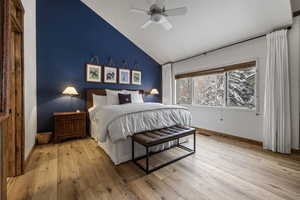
(112, 99)
(112, 96)
(99, 100)
(112, 92)
(130, 92)
(137, 98)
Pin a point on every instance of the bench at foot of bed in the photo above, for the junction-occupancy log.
(153, 138)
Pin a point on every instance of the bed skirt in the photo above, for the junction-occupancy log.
(120, 151)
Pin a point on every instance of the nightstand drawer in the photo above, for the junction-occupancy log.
(68, 125)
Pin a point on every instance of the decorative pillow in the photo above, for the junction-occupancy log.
(99, 100)
(124, 98)
(137, 98)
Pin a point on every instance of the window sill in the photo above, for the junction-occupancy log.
(220, 108)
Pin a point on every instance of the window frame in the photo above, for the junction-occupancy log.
(209, 105)
(176, 93)
(255, 92)
(224, 70)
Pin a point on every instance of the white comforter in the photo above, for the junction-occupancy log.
(120, 121)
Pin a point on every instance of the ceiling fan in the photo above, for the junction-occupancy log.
(158, 14)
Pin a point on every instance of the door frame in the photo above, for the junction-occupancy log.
(4, 78)
(15, 146)
(5, 37)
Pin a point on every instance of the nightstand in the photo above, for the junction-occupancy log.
(69, 125)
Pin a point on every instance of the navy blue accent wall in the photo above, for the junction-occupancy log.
(68, 35)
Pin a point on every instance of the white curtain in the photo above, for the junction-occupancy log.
(167, 84)
(277, 119)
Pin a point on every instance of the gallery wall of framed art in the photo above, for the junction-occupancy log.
(124, 76)
(112, 75)
(93, 73)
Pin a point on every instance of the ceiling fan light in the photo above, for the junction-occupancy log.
(156, 18)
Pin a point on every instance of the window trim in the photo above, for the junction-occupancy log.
(224, 69)
(217, 70)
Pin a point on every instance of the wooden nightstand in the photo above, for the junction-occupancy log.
(69, 125)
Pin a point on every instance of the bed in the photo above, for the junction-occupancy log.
(112, 125)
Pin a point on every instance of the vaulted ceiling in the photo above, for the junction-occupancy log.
(208, 24)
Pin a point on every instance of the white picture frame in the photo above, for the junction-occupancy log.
(136, 77)
(93, 73)
(124, 76)
(110, 74)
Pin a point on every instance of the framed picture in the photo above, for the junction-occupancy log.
(110, 74)
(136, 77)
(93, 73)
(124, 76)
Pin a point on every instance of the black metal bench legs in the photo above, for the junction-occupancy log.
(149, 154)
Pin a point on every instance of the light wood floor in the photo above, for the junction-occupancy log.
(221, 169)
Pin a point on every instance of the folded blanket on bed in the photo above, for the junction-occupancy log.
(120, 121)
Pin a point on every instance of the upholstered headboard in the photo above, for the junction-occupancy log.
(98, 91)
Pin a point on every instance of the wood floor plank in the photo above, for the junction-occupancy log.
(221, 169)
(40, 179)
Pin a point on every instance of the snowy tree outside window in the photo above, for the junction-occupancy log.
(209, 90)
(184, 91)
(234, 88)
(241, 88)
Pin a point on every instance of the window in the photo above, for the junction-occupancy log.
(230, 86)
(241, 88)
(184, 91)
(209, 90)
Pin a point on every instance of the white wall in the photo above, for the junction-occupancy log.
(167, 84)
(241, 122)
(30, 74)
(294, 59)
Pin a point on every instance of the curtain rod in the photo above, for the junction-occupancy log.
(229, 45)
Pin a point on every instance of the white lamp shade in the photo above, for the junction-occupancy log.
(70, 91)
(154, 91)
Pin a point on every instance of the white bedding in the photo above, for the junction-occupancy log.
(117, 122)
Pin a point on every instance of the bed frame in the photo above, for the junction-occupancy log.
(101, 92)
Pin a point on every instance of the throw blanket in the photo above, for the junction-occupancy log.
(120, 121)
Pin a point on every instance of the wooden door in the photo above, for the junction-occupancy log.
(15, 125)
(4, 75)
(2, 161)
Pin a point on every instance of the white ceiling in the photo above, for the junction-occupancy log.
(209, 24)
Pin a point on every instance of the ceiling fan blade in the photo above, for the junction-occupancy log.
(146, 24)
(166, 24)
(138, 10)
(176, 11)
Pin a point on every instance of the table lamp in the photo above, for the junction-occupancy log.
(71, 91)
